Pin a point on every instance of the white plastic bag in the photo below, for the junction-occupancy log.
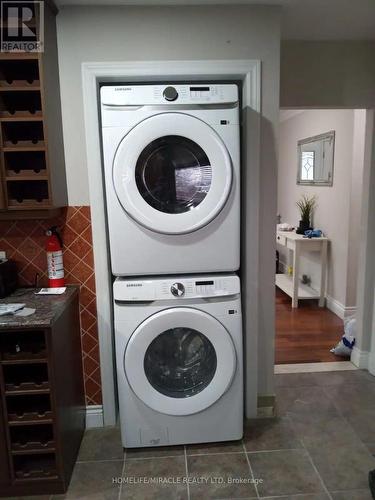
(345, 346)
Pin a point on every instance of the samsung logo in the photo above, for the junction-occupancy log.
(133, 284)
(122, 88)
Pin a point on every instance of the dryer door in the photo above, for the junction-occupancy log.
(180, 361)
(172, 173)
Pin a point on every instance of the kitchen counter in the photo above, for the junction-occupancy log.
(48, 308)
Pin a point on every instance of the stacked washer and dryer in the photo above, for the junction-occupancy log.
(172, 175)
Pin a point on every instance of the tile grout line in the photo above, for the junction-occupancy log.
(187, 474)
(316, 470)
(287, 497)
(188, 454)
(99, 460)
(154, 457)
(251, 469)
(273, 451)
(122, 476)
(347, 491)
(216, 453)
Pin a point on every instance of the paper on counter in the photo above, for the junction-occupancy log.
(26, 311)
(51, 291)
(10, 308)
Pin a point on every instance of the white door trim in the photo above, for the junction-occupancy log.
(93, 73)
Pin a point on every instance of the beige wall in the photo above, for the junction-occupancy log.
(183, 33)
(164, 33)
(338, 207)
(327, 74)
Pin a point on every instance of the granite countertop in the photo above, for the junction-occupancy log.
(48, 308)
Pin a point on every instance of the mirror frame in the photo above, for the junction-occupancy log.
(327, 135)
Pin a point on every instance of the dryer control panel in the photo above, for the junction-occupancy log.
(145, 95)
(181, 287)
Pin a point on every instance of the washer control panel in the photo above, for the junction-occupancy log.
(185, 287)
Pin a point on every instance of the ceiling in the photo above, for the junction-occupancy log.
(301, 19)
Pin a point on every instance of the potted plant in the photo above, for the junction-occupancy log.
(306, 207)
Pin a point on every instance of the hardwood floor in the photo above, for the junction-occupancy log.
(305, 334)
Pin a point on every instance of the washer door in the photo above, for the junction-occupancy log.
(180, 361)
(172, 173)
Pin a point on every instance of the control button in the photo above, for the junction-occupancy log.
(178, 290)
(170, 94)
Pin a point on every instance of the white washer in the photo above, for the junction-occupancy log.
(172, 176)
(179, 359)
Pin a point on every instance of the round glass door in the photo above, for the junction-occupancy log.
(172, 173)
(180, 361)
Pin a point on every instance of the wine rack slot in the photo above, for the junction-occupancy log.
(22, 134)
(35, 466)
(22, 347)
(27, 193)
(19, 85)
(5, 116)
(28, 408)
(25, 378)
(21, 70)
(31, 162)
(28, 438)
(26, 102)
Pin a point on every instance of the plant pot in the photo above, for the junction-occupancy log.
(303, 226)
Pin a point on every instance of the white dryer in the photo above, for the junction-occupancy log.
(172, 176)
(179, 359)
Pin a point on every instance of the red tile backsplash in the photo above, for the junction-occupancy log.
(24, 242)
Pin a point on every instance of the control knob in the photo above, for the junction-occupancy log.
(178, 290)
(170, 94)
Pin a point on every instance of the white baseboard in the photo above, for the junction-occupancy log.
(339, 309)
(360, 358)
(94, 416)
(371, 364)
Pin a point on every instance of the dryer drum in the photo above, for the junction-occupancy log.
(173, 174)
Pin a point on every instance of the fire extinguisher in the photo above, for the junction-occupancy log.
(55, 258)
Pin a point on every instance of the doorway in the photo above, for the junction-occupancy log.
(321, 163)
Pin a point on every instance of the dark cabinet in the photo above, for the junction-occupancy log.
(42, 416)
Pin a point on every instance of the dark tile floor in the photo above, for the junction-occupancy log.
(318, 447)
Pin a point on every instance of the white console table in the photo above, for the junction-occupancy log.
(291, 285)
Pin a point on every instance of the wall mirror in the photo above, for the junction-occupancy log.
(315, 160)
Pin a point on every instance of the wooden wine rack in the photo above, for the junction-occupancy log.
(42, 414)
(32, 173)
